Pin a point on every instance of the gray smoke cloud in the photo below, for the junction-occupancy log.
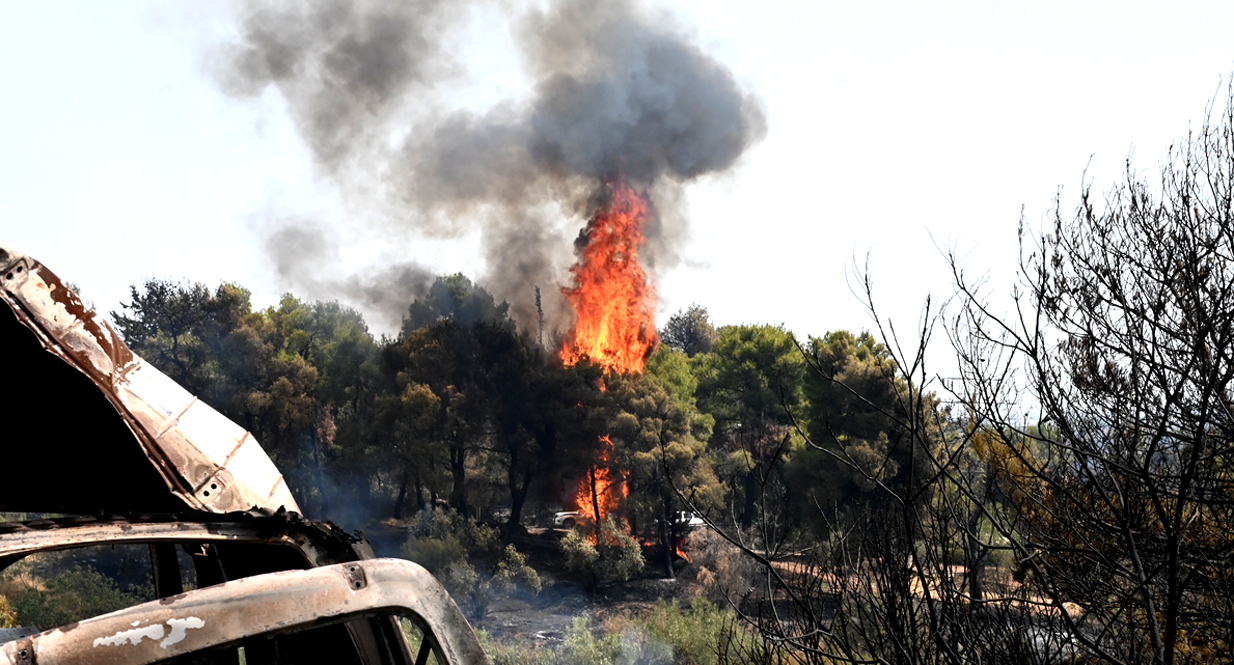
(343, 65)
(617, 92)
(306, 255)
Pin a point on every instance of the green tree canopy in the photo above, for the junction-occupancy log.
(751, 383)
(672, 370)
(456, 298)
(852, 413)
(293, 374)
(690, 331)
(754, 372)
(659, 441)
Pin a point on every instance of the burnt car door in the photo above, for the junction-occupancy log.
(365, 612)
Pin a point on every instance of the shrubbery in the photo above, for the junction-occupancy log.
(75, 594)
(451, 547)
(722, 572)
(516, 652)
(695, 634)
(582, 646)
(8, 615)
(670, 634)
(615, 556)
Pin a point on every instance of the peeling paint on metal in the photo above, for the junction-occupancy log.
(273, 604)
(179, 629)
(134, 636)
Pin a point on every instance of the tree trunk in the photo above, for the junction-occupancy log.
(419, 492)
(595, 497)
(751, 507)
(518, 499)
(322, 505)
(402, 496)
(458, 470)
(976, 588)
(518, 491)
(667, 539)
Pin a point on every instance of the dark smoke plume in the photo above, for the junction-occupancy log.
(617, 93)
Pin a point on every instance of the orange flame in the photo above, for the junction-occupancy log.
(616, 328)
(681, 552)
(614, 303)
(602, 490)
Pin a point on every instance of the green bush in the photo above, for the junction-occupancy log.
(71, 596)
(583, 647)
(8, 615)
(438, 538)
(515, 653)
(467, 558)
(513, 573)
(614, 557)
(630, 645)
(696, 635)
(670, 634)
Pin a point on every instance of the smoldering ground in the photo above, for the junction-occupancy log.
(617, 90)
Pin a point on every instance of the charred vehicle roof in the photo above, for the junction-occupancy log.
(103, 431)
(95, 432)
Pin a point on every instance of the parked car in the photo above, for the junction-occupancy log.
(689, 520)
(144, 468)
(566, 519)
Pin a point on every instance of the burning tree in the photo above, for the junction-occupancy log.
(655, 441)
(615, 328)
(616, 90)
(661, 444)
(612, 298)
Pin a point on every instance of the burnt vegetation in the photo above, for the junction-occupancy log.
(1067, 498)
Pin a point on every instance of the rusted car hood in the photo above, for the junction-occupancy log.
(89, 427)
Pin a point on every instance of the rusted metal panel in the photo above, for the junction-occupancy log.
(318, 543)
(206, 460)
(278, 602)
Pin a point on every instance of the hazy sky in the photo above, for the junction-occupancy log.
(893, 130)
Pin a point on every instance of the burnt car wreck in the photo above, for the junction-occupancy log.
(132, 460)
